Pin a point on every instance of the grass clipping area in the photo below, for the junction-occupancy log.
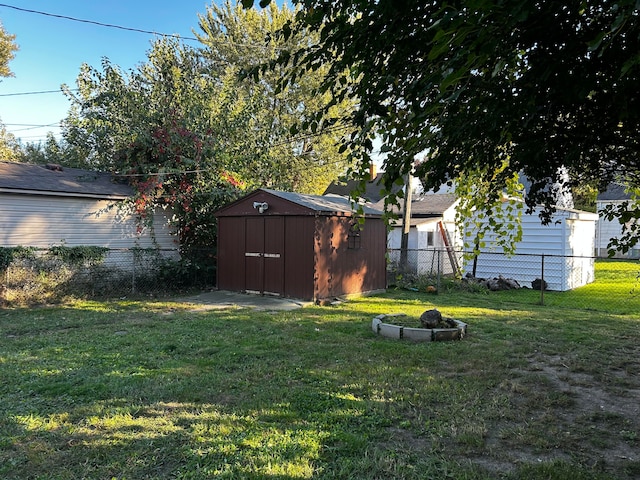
(158, 390)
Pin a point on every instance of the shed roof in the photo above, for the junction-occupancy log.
(57, 180)
(323, 203)
(319, 204)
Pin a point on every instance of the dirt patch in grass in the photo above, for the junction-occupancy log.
(563, 415)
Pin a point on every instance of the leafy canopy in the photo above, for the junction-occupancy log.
(488, 87)
(190, 132)
(8, 47)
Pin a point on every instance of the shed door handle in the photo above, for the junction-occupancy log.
(252, 254)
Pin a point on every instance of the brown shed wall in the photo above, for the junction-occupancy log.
(344, 268)
(231, 248)
(298, 264)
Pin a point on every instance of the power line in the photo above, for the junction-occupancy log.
(29, 124)
(41, 92)
(100, 24)
(31, 127)
(130, 29)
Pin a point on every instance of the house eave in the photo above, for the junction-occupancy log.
(49, 193)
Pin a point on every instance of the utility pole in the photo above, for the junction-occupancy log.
(406, 226)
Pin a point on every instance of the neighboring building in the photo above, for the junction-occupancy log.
(300, 246)
(606, 230)
(372, 193)
(45, 205)
(566, 244)
(433, 242)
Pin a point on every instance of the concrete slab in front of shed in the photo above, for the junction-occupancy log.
(220, 299)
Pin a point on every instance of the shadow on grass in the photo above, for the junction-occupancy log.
(156, 390)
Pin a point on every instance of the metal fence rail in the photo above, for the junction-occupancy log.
(573, 282)
(566, 281)
(41, 276)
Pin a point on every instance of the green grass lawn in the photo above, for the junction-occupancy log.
(616, 290)
(142, 390)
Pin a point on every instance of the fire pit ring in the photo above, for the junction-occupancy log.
(383, 325)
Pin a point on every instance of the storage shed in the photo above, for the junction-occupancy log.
(566, 243)
(300, 246)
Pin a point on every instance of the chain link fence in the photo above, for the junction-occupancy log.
(611, 285)
(36, 275)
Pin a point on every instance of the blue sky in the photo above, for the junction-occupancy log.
(52, 50)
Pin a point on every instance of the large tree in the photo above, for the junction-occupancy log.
(169, 130)
(286, 156)
(187, 127)
(8, 47)
(9, 148)
(486, 87)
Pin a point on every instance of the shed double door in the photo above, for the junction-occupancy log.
(264, 255)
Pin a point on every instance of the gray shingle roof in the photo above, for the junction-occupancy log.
(614, 191)
(427, 205)
(23, 177)
(372, 193)
(321, 203)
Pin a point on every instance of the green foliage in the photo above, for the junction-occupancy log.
(79, 255)
(51, 151)
(194, 270)
(627, 214)
(9, 147)
(489, 219)
(191, 133)
(9, 254)
(546, 84)
(290, 150)
(8, 47)
(585, 197)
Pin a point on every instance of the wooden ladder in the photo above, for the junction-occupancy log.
(449, 247)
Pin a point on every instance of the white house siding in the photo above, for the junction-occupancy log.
(422, 256)
(606, 230)
(426, 258)
(46, 220)
(567, 244)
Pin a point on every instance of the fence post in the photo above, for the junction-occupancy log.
(439, 269)
(542, 282)
(133, 271)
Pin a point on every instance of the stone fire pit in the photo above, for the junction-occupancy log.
(434, 327)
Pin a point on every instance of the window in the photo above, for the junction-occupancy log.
(430, 242)
(354, 236)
